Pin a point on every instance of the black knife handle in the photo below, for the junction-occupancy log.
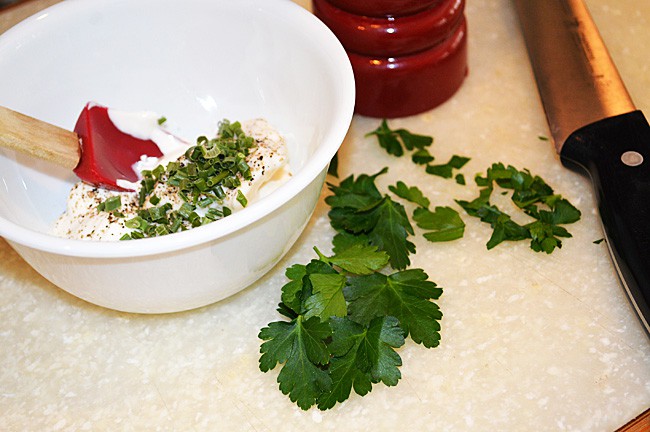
(615, 154)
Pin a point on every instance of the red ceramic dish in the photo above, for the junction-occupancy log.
(380, 8)
(391, 36)
(408, 85)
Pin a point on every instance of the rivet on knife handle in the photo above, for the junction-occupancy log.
(596, 130)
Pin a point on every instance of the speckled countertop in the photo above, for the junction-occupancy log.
(530, 342)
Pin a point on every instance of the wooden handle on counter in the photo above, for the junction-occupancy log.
(39, 139)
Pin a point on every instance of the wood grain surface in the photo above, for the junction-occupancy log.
(638, 424)
(39, 139)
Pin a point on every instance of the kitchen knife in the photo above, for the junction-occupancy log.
(596, 130)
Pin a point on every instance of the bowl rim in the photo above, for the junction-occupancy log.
(314, 166)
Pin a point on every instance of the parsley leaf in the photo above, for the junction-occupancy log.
(358, 258)
(327, 296)
(343, 240)
(392, 140)
(347, 368)
(404, 295)
(362, 356)
(300, 345)
(391, 231)
(447, 170)
(444, 221)
(359, 208)
(414, 141)
(292, 291)
(421, 157)
(300, 288)
(412, 194)
(356, 193)
(387, 139)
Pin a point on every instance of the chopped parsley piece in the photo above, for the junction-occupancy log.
(421, 157)
(444, 223)
(599, 241)
(395, 141)
(534, 197)
(412, 194)
(162, 120)
(446, 170)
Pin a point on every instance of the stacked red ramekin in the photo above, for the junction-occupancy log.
(408, 56)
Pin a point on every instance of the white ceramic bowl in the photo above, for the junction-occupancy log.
(196, 62)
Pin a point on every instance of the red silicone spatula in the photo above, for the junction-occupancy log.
(97, 151)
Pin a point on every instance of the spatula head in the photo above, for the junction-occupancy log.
(108, 154)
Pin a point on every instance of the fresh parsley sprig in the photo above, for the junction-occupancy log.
(344, 326)
(358, 208)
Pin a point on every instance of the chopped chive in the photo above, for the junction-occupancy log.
(161, 230)
(112, 203)
(176, 225)
(195, 219)
(186, 210)
(158, 172)
(241, 199)
(211, 170)
(203, 203)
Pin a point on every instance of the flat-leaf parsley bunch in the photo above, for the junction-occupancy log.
(348, 312)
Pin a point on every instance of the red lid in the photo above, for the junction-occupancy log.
(380, 8)
(391, 36)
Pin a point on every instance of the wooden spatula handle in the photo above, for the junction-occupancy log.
(37, 138)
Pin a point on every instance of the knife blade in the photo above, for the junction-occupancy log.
(596, 129)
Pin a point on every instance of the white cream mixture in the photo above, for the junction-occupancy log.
(82, 220)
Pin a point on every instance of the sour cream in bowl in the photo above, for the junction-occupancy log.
(195, 63)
